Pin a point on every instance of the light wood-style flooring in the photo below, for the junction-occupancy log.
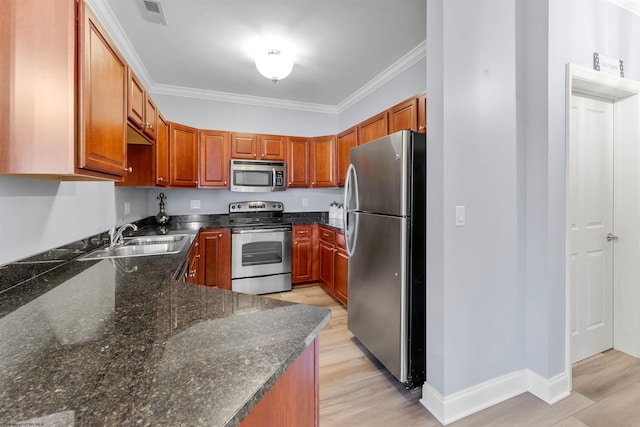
(356, 391)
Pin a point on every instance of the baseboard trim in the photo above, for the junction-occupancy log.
(466, 402)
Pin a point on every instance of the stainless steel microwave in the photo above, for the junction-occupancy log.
(258, 176)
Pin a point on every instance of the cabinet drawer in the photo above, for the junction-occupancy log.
(302, 231)
(327, 235)
(340, 240)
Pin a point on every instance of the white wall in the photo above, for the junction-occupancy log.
(472, 161)
(210, 114)
(37, 215)
(496, 143)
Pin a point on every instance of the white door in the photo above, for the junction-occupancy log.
(591, 220)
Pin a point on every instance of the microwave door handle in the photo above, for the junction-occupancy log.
(273, 182)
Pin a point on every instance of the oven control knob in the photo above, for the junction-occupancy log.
(233, 206)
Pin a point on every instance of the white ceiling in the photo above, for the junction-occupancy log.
(342, 49)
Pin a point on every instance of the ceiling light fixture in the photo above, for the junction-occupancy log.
(274, 65)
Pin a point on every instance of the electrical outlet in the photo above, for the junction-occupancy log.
(127, 208)
(195, 204)
(305, 202)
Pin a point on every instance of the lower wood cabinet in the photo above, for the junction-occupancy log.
(215, 258)
(334, 263)
(304, 254)
(341, 270)
(294, 399)
(193, 258)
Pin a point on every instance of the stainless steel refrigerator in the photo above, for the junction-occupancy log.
(385, 235)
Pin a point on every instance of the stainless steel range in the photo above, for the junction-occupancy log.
(260, 248)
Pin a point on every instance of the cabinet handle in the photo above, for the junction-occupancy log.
(129, 169)
(160, 178)
(254, 155)
(225, 183)
(197, 256)
(219, 234)
(196, 244)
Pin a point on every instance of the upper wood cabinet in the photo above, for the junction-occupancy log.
(183, 156)
(323, 164)
(162, 153)
(373, 128)
(37, 65)
(422, 113)
(257, 147)
(298, 162)
(244, 146)
(214, 158)
(345, 142)
(141, 111)
(404, 116)
(271, 147)
(102, 77)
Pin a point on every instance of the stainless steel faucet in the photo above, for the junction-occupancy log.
(115, 234)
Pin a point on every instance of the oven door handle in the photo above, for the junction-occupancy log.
(261, 230)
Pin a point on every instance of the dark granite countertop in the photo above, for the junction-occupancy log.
(119, 342)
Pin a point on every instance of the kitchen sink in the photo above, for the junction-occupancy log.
(141, 246)
(155, 240)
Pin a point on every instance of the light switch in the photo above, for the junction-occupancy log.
(195, 204)
(460, 216)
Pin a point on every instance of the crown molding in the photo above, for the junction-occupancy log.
(414, 56)
(105, 15)
(239, 99)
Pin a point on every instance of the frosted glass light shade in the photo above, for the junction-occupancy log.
(274, 65)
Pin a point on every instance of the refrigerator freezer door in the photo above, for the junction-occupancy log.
(377, 313)
(383, 167)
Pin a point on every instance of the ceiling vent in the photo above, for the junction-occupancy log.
(152, 11)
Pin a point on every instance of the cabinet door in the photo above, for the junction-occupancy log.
(135, 101)
(373, 128)
(103, 100)
(422, 113)
(183, 156)
(215, 259)
(326, 265)
(271, 147)
(298, 162)
(214, 158)
(341, 269)
(302, 254)
(244, 146)
(151, 118)
(323, 151)
(345, 142)
(404, 116)
(162, 153)
(193, 258)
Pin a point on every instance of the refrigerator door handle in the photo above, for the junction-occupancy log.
(350, 198)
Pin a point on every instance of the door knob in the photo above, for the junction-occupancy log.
(611, 237)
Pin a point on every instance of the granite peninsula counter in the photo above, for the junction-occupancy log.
(119, 342)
